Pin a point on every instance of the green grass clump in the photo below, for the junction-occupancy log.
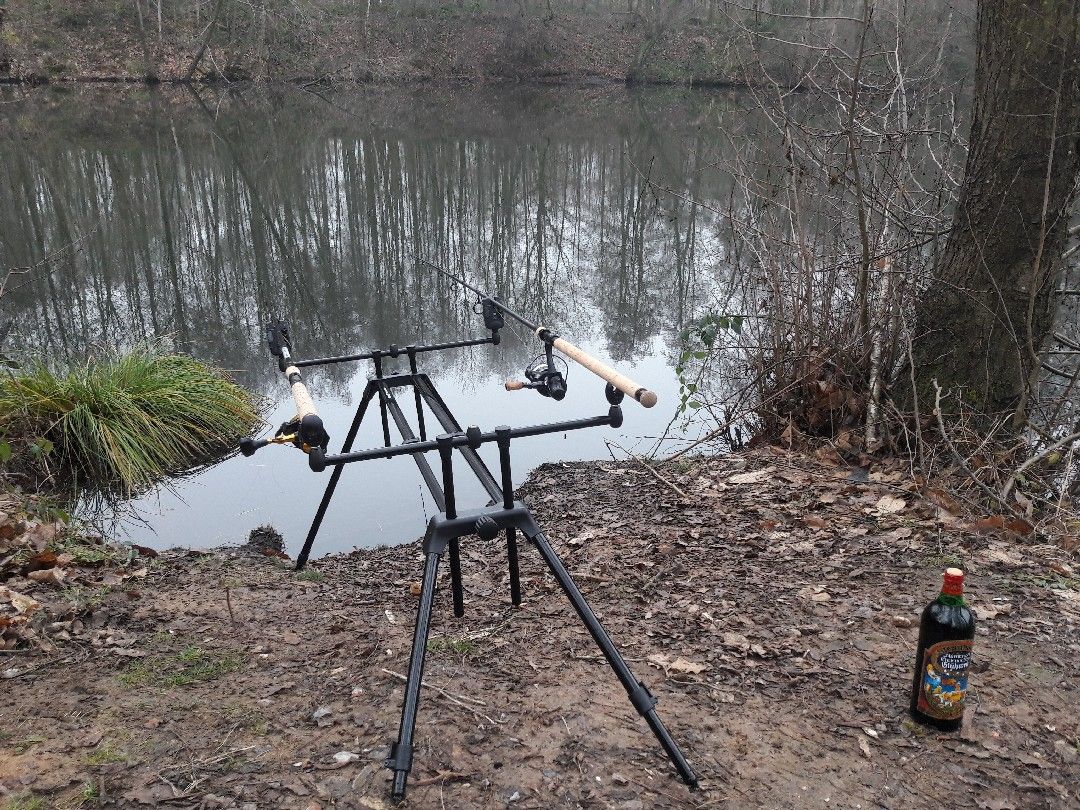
(104, 755)
(191, 665)
(123, 422)
(25, 744)
(26, 802)
(457, 646)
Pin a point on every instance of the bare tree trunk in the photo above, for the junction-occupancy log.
(983, 320)
(5, 59)
(207, 35)
(148, 71)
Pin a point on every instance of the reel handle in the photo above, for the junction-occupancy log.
(248, 445)
(515, 385)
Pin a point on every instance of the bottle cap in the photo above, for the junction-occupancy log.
(954, 582)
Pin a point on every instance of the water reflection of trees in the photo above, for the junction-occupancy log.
(198, 218)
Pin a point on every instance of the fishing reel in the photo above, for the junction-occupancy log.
(305, 430)
(543, 377)
(304, 434)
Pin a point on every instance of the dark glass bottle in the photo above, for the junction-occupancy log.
(939, 688)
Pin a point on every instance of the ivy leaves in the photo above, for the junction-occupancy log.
(697, 339)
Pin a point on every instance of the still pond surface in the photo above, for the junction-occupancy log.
(166, 215)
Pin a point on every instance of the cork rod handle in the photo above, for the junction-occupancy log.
(605, 372)
(305, 406)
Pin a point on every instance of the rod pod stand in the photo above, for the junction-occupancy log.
(446, 529)
(449, 525)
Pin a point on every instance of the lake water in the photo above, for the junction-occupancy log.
(191, 219)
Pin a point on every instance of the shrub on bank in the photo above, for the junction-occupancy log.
(122, 422)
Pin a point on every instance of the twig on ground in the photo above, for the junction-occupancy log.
(457, 700)
(1027, 465)
(960, 459)
(662, 479)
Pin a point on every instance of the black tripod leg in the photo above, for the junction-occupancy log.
(639, 694)
(455, 578)
(512, 559)
(328, 493)
(400, 759)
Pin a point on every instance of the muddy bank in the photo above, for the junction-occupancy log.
(767, 600)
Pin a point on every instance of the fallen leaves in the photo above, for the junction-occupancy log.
(998, 523)
(49, 576)
(992, 610)
(680, 666)
(736, 640)
(889, 505)
(754, 477)
(815, 593)
(38, 557)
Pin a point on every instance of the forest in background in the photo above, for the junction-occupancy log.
(701, 42)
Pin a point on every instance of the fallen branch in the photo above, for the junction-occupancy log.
(960, 459)
(207, 35)
(457, 700)
(1027, 465)
(665, 481)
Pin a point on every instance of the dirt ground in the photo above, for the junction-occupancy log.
(770, 602)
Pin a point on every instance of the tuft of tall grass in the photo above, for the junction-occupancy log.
(124, 422)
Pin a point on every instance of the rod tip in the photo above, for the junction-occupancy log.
(647, 398)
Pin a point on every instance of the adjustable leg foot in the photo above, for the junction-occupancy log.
(400, 762)
(645, 703)
(400, 759)
(639, 695)
(455, 578)
(512, 558)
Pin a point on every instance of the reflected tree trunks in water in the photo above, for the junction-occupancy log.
(203, 219)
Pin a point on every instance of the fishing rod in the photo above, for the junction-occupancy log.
(548, 380)
(305, 430)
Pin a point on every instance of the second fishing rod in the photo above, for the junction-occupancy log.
(542, 380)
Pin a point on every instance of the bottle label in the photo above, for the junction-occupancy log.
(945, 679)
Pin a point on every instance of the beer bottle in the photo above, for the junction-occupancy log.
(944, 657)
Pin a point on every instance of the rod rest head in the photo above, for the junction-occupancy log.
(278, 338)
(615, 416)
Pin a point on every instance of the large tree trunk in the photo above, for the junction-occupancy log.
(984, 318)
(5, 60)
